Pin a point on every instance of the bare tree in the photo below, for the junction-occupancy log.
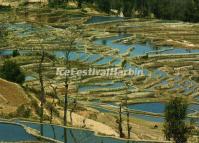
(42, 95)
(71, 35)
(127, 119)
(120, 121)
(72, 110)
(74, 103)
(54, 88)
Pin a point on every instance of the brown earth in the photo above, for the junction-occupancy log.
(11, 96)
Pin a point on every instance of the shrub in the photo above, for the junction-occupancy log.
(12, 72)
(23, 111)
(175, 125)
(15, 53)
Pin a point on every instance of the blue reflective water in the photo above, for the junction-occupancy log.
(158, 107)
(29, 78)
(10, 52)
(117, 61)
(194, 107)
(92, 58)
(6, 52)
(14, 133)
(109, 42)
(73, 135)
(83, 56)
(149, 107)
(105, 60)
(61, 54)
(139, 49)
(97, 19)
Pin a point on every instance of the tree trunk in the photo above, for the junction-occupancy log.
(65, 103)
(42, 96)
(120, 122)
(72, 110)
(128, 126)
(65, 109)
(53, 102)
(127, 119)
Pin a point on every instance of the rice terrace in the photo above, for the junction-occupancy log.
(99, 71)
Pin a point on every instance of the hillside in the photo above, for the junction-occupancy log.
(11, 96)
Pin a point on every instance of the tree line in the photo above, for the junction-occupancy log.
(185, 10)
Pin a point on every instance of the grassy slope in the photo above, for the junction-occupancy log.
(11, 96)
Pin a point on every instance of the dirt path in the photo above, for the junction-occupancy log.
(82, 122)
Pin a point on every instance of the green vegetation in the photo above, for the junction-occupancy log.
(23, 111)
(80, 3)
(186, 10)
(175, 126)
(15, 53)
(4, 8)
(104, 5)
(60, 3)
(3, 35)
(12, 72)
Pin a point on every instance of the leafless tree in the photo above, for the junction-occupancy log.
(42, 95)
(74, 105)
(127, 119)
(71, 38)
(120, 121)
(54, 88)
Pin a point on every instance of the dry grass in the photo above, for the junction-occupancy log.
(11, 96)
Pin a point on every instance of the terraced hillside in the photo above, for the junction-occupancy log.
(164, 56)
